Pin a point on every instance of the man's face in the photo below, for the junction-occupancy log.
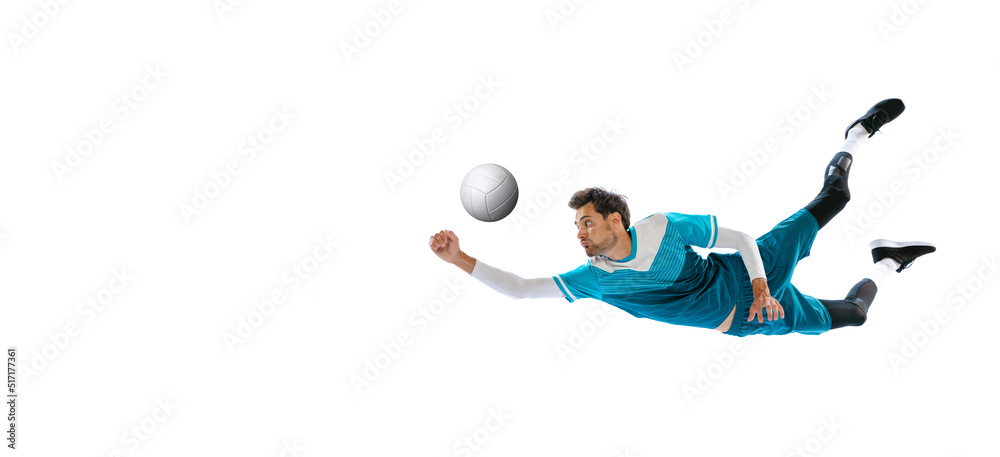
(594, 232)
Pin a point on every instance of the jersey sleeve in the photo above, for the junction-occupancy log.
(695, 230)
(578, 283)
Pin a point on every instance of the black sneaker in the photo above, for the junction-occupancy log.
(882, 113)
(904, 252)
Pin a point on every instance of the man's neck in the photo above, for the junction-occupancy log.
(623, 249)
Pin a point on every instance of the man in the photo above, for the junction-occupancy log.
(649, 269)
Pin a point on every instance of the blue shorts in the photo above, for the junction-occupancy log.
(781, 249)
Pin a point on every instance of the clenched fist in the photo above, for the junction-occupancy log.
(445, 245)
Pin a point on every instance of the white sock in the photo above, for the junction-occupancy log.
(882, 269)
(855, 137)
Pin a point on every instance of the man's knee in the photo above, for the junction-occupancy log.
(856, 316)
(835, 188)
(831, 200)
(844, 313)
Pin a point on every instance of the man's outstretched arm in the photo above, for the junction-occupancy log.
(747, 246)
(445, 245)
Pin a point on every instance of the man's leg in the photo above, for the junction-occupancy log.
(835, 194)
(790, 241)
(853, 309)
(889, 256)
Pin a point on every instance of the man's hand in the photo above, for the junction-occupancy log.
(762, 300)
(445, 245)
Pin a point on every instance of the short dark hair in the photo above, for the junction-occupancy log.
(605, 202)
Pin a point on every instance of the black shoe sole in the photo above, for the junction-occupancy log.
(903, 252)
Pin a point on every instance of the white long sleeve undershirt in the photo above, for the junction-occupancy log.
(513, 285)
(747, 246)
(517, 287)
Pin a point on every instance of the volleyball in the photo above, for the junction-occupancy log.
(489, 192)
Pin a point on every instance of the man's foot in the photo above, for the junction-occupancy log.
(882, 113)
(902, 252)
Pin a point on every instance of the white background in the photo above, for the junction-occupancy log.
(298, 381)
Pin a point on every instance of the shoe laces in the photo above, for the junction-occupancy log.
(878, 120)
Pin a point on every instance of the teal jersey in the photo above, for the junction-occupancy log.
(663, 278)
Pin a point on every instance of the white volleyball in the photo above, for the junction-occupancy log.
(489, 192)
